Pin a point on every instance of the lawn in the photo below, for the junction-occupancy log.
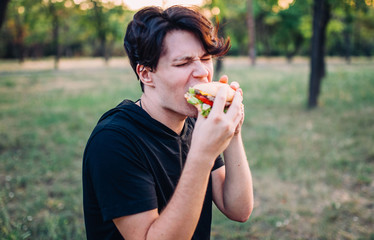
(312, 170)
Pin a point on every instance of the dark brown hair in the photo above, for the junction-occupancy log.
(145, 34)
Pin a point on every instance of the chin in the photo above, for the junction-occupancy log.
(192, 113)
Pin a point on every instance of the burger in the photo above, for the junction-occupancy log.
(202, 96)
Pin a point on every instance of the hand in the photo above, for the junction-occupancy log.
(235, 85)
(213, 134)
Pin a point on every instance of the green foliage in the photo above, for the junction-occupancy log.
(93, 25)
(288, 30)
(30, 24)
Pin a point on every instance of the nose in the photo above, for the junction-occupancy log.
(200, 69)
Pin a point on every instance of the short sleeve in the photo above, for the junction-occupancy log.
(122, 183)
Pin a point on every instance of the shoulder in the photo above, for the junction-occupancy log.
(122, 119)
(109, 142)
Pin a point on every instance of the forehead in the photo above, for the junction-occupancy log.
(180, 43)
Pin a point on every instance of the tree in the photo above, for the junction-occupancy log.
(282, 27)
(55, 10)
(18, 14)
(101, 26)
(347, 32)
(322, 13)
(106, 21)
(219, 61)
(321, 17)
(351, 10)
(251, 33)
(288, 32)
(229, 16)
(3, 8)
(218, 10)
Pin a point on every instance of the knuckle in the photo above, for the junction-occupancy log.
(227, 129)
(217, 119)
(221, 97)
(227, 126)
(236, 109)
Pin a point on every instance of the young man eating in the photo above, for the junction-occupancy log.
(152, 168)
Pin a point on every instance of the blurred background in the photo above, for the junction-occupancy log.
(85, 28)
(306, 69)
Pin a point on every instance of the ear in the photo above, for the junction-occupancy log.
(145, 75)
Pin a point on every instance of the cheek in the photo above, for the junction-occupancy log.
(174, 89)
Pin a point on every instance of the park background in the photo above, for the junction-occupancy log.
(62, 65)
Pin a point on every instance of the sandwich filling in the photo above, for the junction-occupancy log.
(202, 100)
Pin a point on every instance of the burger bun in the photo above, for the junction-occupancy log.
(212, 88)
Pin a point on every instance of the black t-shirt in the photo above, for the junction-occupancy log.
(131, 164)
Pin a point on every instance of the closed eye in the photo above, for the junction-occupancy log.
(182, 64)
(206, 58)
(189, 60)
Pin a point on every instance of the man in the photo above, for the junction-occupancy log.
(151, 169)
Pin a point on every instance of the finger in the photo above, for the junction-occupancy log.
(220, 100)
(224, 79)
(235, 110)
(240, 90)
(235, 85)
(241, 120)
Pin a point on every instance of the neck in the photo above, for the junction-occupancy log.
(169, 118)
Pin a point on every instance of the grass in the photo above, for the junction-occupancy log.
(313, 170)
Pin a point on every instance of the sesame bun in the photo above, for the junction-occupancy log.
(212, 88)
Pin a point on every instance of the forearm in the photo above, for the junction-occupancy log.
(237, 188)
(180, 217)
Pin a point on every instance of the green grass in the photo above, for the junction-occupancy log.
(312, 170)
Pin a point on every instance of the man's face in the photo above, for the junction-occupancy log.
(183, 64)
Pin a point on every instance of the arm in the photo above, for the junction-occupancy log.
(180, 217)
(232, 184)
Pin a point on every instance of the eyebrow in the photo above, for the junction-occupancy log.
(188, 58)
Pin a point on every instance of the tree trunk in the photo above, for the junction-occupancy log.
(251, 33)
(298, 40)
(347, 41)
(19, 42)
(219, 61)
(55, 33)
(218, 68)
(347, 33)
(103, 49)
(321, 17)
(3, 8)
(101, 30)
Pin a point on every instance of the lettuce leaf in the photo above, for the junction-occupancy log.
(206, 112)
(194, 101)
(191, 91)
